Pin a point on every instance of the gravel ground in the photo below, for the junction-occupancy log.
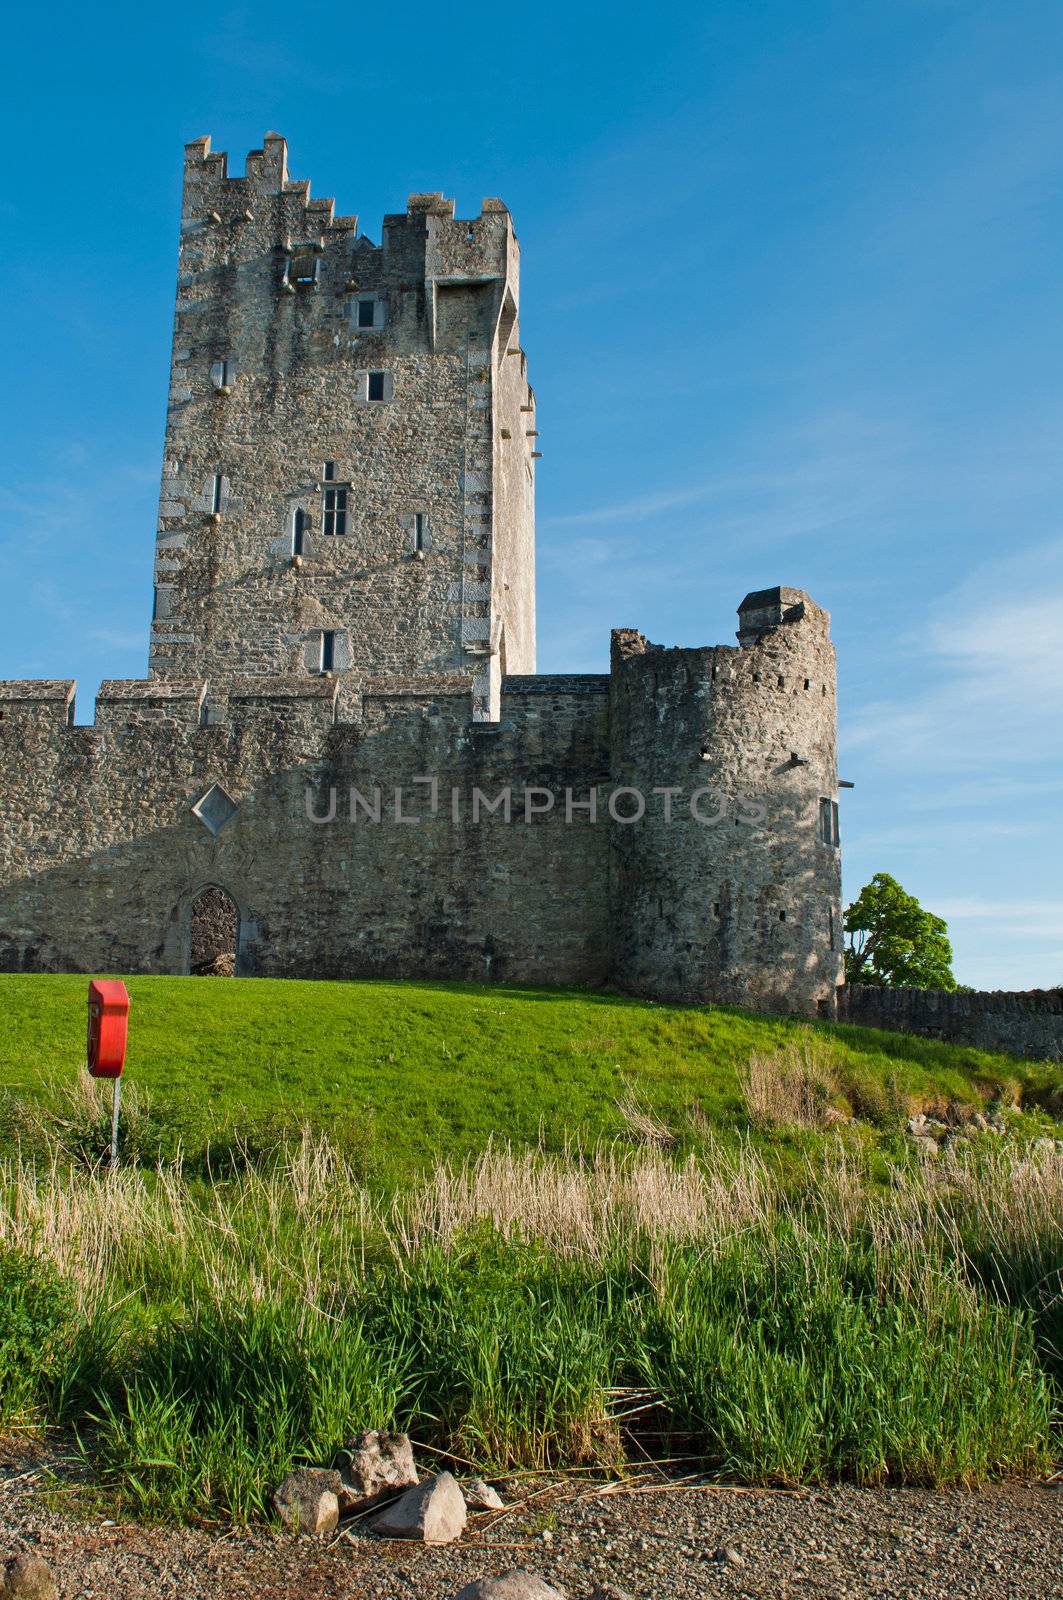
(665, 1543)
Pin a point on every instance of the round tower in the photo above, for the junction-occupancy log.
(727, 887)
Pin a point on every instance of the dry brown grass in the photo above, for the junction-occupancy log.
(586, 1204)
(644, 1125)
(792, 1087)
(1013, 1200)
(311, 1224)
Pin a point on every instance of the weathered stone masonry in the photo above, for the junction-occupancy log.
(672, 824)
(1027, 1023)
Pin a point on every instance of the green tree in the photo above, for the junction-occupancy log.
(893, 943)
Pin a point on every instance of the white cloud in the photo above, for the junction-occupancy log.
(961, 769)
(1028, 915)
(992, 659)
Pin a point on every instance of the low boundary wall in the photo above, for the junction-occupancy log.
(1028, 1023)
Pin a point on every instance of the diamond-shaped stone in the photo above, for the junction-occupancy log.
(215, 808)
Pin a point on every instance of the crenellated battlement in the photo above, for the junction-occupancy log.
(213, 198)
(124, 704)
(127, 700)
(43, 700)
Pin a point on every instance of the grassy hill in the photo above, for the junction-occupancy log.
(402, 1075)
(533, 1228)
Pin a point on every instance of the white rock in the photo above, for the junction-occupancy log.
(307, 1501)
(517, 1584)
(480, 1496)
(433, 1512)
(373, 1466)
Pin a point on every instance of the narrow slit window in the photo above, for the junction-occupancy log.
(829, 830)
(328, 471)
(418, 530)
(215, 495)
(334, 512)
(298, 530)
(328, 650)
(366, 313)
(376, 386)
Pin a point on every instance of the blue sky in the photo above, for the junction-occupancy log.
(793, 312)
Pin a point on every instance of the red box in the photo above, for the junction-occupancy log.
(108, 1022)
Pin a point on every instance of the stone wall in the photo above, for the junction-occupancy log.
(1028, 1024)
(286, 800)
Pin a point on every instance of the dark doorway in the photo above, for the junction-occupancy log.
(215, 925)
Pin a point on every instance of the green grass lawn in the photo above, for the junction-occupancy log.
(802, 1300)
(418, 1072)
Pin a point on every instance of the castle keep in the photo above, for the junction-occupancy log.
(341, 737)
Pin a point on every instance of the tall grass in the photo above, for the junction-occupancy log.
(534, 1311)
(218, 1403)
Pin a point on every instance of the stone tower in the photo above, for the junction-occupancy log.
(348, 480)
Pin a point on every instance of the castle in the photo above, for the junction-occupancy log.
(342, 762)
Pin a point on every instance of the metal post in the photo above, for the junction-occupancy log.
(114, 1120)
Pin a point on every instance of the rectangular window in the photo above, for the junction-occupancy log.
(302, 267)
(298, 530)
(376, 386)
(215, 495)
(366, 313)
(328, 471)
(328, 650)
(829, 831)
(418, 530)
(334, 511)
